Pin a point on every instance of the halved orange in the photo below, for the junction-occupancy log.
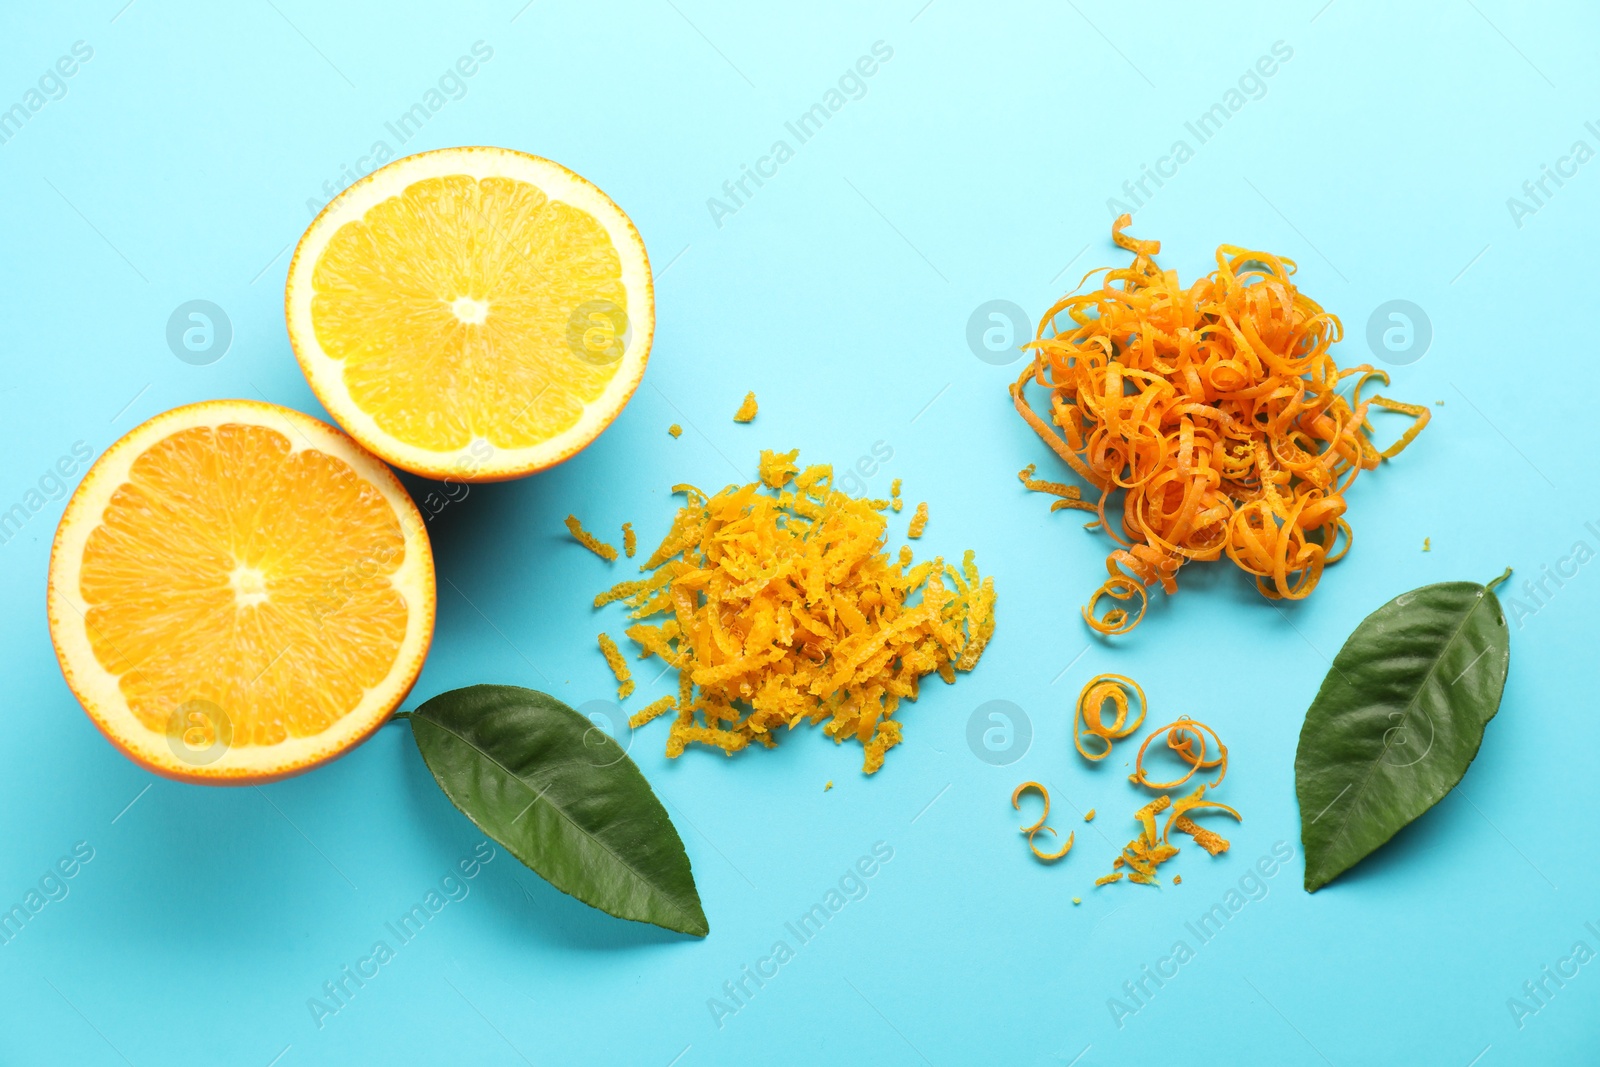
(239, 592)
(472, 313)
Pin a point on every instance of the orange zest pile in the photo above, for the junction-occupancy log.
(1047, 857)
(1216, 409)
(1088, 719)
(779, 604)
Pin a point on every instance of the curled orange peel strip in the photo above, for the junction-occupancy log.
(1051, 857)
(1089, 718)
(1179, 815)
(1016, 796)
(1186, 738)
(1217, 408)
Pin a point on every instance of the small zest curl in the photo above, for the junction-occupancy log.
(1116, 620)
(1187, 739)
(1030, 831)
(1088, 718)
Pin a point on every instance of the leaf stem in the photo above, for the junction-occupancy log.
(1490, 586)
(397, 716)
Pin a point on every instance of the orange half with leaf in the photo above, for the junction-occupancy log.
(239, 592)
(472, 313)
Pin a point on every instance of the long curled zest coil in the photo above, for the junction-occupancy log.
(1218, 411)
(1187, 739)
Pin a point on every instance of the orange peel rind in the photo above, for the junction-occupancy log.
(1116, 620)
(1030, 831)
(779, 604)
(1187, 738)
(1089, 720)
(1218, 411)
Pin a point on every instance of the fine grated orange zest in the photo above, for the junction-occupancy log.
(651, 711)
(747, 410)
(1145, 853)
(919, 521)
(1217, 410)
(618, 665)
(1179, 820)
(590, 541)
(778, 605)
(630, 540)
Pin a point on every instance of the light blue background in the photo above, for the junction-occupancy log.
(976, 167)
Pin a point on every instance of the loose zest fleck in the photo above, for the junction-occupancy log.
(1216, 410)
(651, 711)
(630, 540)
(1088, 816)
(747, 410)
(675, 430)
(781, 606)
(590, 541)
(618, 665)
(1088, 719)
(919, 521)
(1047, 857)
(894, 495)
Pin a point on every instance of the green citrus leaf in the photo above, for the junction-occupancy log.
(563, 798)
(1398, 720)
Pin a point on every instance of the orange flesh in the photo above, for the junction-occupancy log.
(454, 303)
(209, 579)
